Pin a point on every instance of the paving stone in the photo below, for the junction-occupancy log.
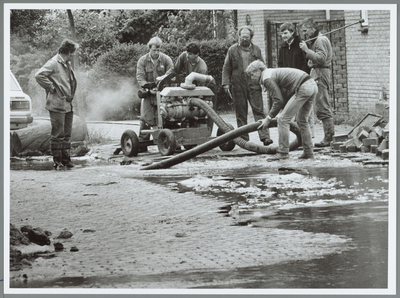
(132, 234)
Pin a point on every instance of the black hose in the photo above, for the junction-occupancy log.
(250, 146)
(228, 135)
(203, 147)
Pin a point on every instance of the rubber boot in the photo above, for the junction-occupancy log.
(329, 131)
(66, 158)
(56, 151)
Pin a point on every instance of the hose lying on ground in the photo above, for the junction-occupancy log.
(225, 128)
(241, 142)
(213, 143)
(203, 147)
(228, 135)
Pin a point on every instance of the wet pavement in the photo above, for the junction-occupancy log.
(187, 239)
(219, 221)
(356, 206)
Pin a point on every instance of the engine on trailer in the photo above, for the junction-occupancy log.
(175, 106)
(179, 108)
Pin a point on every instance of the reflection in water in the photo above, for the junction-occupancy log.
(351, 202)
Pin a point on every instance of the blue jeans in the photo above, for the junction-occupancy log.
(301, 104)
(61, 128)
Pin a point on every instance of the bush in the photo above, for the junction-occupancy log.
(112, 87)
(213, 52)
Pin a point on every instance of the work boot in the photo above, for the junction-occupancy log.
(66, 158)
(279, 156)
(267, 142)
(329, 132)
(306, 156)
(57, 155)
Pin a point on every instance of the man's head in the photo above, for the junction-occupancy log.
(245, 36)
(154, 45)
(193, 51)
(67, 49)
(287, 31)
(255, 69)
(309, 28)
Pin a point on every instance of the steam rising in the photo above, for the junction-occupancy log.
(117, 103)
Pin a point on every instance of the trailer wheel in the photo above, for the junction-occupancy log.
(130, 143)
(166, 142)
(228, 146)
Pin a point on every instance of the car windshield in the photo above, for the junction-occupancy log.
(13, 84)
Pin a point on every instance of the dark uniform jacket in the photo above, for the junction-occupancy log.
(292, 56)
(233, 73)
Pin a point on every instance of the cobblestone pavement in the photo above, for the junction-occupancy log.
(127, 227)
(134, 234)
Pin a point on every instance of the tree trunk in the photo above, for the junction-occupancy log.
(73, 37)
(36, 137)
(78, 97)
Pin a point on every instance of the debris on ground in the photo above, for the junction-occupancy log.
(370, 135)
(29, 243)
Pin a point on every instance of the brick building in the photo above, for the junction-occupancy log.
(361, 60)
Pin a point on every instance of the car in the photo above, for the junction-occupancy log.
(20, 106)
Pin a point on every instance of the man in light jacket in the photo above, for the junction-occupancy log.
(292, 91)
(58, 79)
(151, 69)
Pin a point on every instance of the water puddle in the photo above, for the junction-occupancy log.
(351, 202)
(289, 194)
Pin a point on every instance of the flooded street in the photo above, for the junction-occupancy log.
(340, 201)
(218, 221)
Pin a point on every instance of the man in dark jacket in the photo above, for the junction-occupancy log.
(58, 79)
(189, 61)
(244, 91)
(319, 54)
(290, 54)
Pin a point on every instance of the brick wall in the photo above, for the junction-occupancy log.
(361, 64)
(258, 20)
(269, 40)
(367, 59)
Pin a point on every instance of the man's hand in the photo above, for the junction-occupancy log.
(160, 78)
(227, 91)
(264, 123)
(303, 46)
